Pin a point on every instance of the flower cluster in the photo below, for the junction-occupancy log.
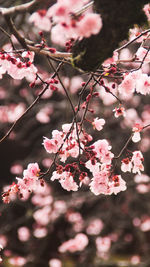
(66, 142)
(97, 159)
(24, 186)
(139, 82)
(135, 163)
(18, 67)
(67, 24)
(77, 244)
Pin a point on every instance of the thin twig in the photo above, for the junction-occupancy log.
(124, 147)
(30, 107)
(132, 41)
(142, 62)
(105, 87)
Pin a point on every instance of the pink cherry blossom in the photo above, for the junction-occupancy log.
(43, 115)
(17, 261)
(98, 124)
(23, 233)
(40, 231)
(41, 20)
(102, 147)
(77, 244)
(126, 165)
(142, 178)
(143, 84)
(93, 166)
(142, 188)
(127, 87)
(147, 11)
(42, 216)
(32, 170)
(55, 263)
(141, 53)
(135, 259)
(136, 137)
(99, 184)
(120, 111)
(137, 160)
(103, 245)
(66, 180)
(145, 225)
(95, 227)
(90, 24)
(117, 185)
(50, 145)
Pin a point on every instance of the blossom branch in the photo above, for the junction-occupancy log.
(142, 62)
(70, 101)
(46, 52)
(124, 147)
(31, 106)
(18, 9)
(108, 91)
(132, 41)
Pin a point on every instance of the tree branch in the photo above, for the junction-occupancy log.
(18, 9)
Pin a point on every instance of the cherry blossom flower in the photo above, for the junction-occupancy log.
(141, 53)
(99, 184)
(16, 68)
(143, 84)
(137, 129)
(147, 11)
(16, 169)
(120, 111)
(55, 263)
(40, 231)
(145, 225)
(66, 180)
(77, 244)
(90, 24)
(42, 216)
(95, 227)
(93, 166)
(41, 20)
(50, 145)
(102, 147)
(126, 165)
(67, 27)
(127, 87)
(43, 115)
(117, 185)
(142, 188)
(142, 178)
(23, 233)
(24, 186)
(135, 259)
(103, 245)
(3, 241)
(17, 261)
(98, 124)
(32, 170)
(137, 160)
